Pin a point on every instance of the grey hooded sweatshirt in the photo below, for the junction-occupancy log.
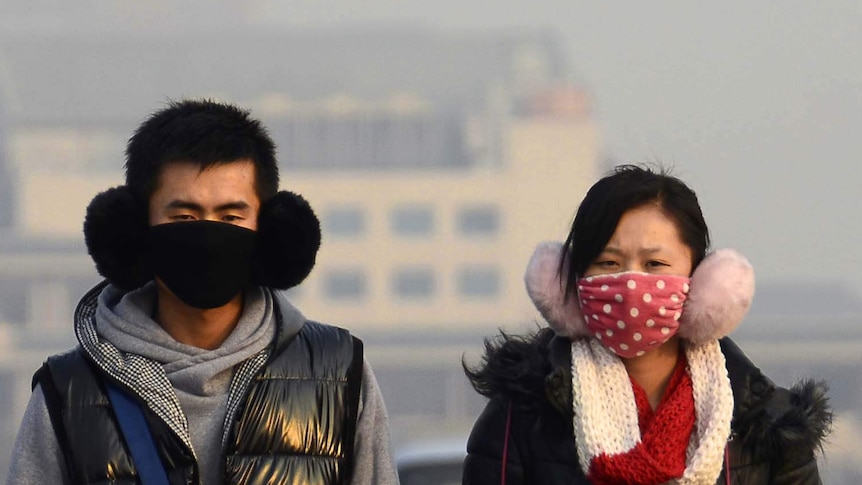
(202, 382)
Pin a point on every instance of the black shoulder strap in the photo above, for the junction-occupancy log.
(354, 390)
(44, 379)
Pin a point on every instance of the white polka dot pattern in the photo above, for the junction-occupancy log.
(633, 312)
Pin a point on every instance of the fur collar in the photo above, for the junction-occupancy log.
(768, 418)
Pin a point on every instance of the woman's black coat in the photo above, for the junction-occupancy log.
(775, 432)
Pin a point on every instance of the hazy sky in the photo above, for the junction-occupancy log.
(757, 104)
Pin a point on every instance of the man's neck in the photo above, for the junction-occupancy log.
(653, 370)
(201, 328)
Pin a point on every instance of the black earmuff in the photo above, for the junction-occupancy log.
(287, 242)
(116, 233)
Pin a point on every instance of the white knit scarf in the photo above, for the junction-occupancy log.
(606, 416)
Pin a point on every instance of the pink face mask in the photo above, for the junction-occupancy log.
(632, 313)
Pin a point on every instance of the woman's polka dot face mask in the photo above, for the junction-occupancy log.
(632, 313)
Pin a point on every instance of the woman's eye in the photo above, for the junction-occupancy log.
(656, 264)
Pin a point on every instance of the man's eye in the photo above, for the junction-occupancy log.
(182, 217)
(231, 218)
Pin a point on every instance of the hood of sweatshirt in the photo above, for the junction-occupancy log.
(117, 331)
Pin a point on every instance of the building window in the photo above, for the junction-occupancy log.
(479, 220)
(413, 221)
(479, 282)
(346, 284)
(344, 222)
(413, 283)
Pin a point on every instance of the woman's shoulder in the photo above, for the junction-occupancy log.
(514, 367)
(771, 419)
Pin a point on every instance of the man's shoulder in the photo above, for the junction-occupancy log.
(327, 328)
(320, 342)
(75, 352)
(65, 375)
(291, 321)
(65, 364)
(328, 334)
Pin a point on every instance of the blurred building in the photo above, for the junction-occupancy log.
(435, 162)
(7, 190)
(428, 217)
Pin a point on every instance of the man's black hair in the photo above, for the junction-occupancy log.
(628, 187)
(203, 132)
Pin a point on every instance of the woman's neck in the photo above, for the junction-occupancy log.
(653, 370)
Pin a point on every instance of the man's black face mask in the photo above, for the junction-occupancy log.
(204, 263)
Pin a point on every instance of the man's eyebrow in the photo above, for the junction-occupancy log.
(193, 206)
(236, 205)
(184, 204)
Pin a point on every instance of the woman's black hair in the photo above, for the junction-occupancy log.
(628, 187)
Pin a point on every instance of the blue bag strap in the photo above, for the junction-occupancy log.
(138, 437)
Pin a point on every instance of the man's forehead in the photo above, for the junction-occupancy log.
(195, 170)
(204, 166)
(186, 179)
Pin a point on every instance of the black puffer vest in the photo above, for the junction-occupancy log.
(295, 425)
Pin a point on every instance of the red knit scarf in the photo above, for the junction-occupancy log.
(661, 454)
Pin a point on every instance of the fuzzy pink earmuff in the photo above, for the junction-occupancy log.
(722, 288)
